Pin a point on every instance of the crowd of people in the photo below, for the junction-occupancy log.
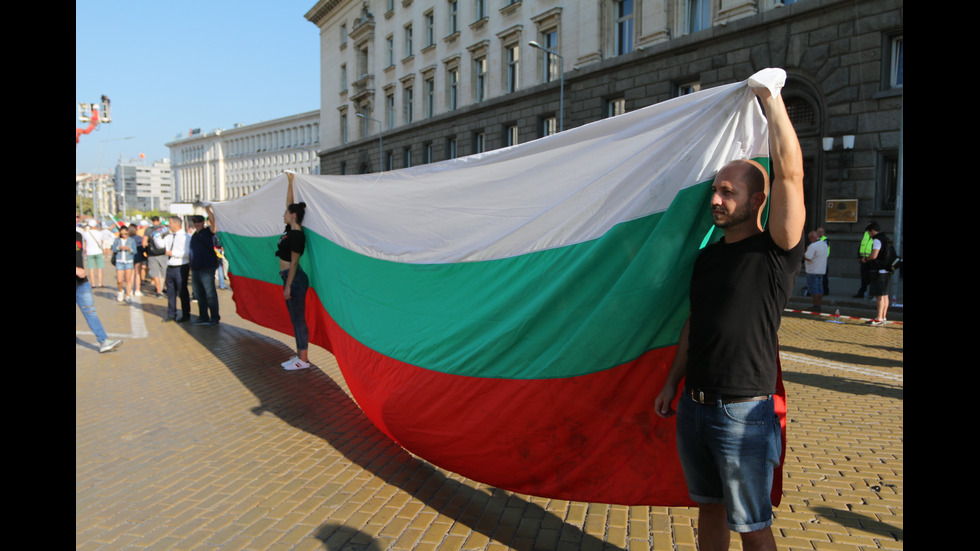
(877, 262)
(138, 252)
(152, 259)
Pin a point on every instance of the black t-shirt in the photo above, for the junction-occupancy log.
(202, 250)
(738, 292)
(290, 242)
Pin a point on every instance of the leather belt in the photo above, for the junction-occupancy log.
(703, 397)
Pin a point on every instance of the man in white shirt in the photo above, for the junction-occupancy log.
(93, 252)
(178, 245)
(815, 259)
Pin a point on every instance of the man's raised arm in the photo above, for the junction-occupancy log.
(787, 213)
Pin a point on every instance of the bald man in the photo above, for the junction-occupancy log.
(728, 434)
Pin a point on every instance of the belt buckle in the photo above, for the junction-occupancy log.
(701, 397)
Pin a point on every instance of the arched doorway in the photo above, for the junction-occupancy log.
(806, 111)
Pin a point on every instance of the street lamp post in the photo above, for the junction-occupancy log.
(381, 146)
(561, 90)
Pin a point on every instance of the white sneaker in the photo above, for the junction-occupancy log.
(137, 294)
(297, 364)
(119, 296)
(290, 361)
(109, 344)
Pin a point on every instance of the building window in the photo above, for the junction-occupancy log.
(510, 135)
(389, 161)
(427, 152)
(343, 35)
(480, 8)
(698, 15)
(407, 155)
(453, 17)
(624, 27)
(551, 65)
(343, 77)
(390, 110)
(451, 145)
(896, 77)
(430, 29)
(479, 142)
(363, 58)
(888, 184)
(408, 40)
(513, 66)
(343, 128)
(615, 107)
(429, 89)
(452, 84)
(801, 112)
(549, 126)
(688, 88)
(480, 81)
(390, 50)
(408, 104)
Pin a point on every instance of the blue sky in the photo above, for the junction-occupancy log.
(171, 66)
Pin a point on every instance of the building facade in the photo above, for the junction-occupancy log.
(406, 82)
(225, 164)
(144, 187)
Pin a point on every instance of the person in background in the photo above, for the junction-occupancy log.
(864, 250)
(177, 246)
(815, 261)
(156, 254)
(94, 252)
(124, 249)
(204, 262)
(139, 259)
(822, 235)
(84, 299)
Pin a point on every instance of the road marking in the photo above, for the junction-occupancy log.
(842, 367)
(137, 323)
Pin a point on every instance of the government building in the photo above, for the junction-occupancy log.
(407, 82)
(222, 164)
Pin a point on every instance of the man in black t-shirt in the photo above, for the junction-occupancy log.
(727, 353)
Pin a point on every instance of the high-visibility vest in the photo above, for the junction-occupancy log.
(865, 250)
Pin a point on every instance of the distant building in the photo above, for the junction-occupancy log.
(407, 82)
(144, 187)
(225, 164)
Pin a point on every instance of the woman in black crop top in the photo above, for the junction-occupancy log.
(291, 246)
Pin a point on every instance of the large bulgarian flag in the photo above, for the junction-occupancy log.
(511, 316)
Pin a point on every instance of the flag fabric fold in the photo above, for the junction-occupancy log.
(511, 316)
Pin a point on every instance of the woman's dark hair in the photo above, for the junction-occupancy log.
(299, 209)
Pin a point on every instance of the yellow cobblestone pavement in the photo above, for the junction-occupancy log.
(192, 437)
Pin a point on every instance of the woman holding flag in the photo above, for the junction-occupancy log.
(291, 246)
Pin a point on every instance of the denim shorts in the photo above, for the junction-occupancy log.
(814, 282)
(124, 264)
(729, 452)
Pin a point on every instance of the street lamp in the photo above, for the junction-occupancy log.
(381, 146)
(561, 92)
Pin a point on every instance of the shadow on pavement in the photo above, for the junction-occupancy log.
(839, 383)
(337, 537)
(864, 522)
(312, 401)
(841, 357)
